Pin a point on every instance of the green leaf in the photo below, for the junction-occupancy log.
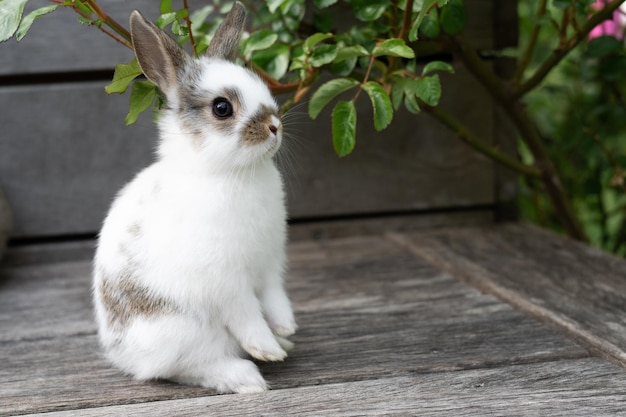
(344, 127)
(453, 17)
(273, 61)
(437, 66)
(322, 4)
(273, 5)
(369, 10)
(603, 46)
(122, 77)
(141, 98)
(28, 20)
(393, 47)
(313, 40)
(383, 111)
(410, 103)
(346, 52)
(10, 16)
(400, 88)
(166, 6)
(430, 27)
(343, 68)
(165, 19)
(262, 39)
(428, 89)
(322, 55)
(426, 5)
(327, 92)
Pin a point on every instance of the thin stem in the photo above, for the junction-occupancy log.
(120, 40)
(532, 42)
(106, 19)
(479, 145)
(188, 20)
(365, 78)
(406, 21)
(562, 50)
(565, 20)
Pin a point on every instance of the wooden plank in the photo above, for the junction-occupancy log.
(41, 53)
(64, 153)
(52, 45)
(61, 173)
(367, 309)
(577, 289)
(564, 388)
(376, 225)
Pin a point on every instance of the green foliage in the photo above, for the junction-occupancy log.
(569, 112)
(10, 17)
(581, 109)
(344, 127)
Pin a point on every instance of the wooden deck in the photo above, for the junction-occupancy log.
(490, 320)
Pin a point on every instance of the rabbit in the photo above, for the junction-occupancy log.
(190, 261)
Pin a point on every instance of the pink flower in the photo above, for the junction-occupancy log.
(610, 27)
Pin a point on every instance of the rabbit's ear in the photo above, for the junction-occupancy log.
(225, 43)
(159, 56)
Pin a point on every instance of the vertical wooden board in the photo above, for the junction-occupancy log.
(415, 163)
(58, 43)
(64, 153)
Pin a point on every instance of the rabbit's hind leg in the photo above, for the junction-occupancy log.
(180, 349)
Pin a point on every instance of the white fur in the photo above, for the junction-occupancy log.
(205, 229)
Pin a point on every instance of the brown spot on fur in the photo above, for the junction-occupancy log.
(124, 299)
(134, 229)
(260, 126)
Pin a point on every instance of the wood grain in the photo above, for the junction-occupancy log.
(367, 309)
(577, 289)
(61, 169)
(564, 388)
(51, 45)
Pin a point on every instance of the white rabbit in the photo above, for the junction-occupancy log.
(188, 273)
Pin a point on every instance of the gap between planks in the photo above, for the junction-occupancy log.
(426, 246)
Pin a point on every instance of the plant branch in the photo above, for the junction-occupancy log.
(104, 30)
(110, 22)
(188, 20)
(406, 21)
(562, 50)
(478, 144)
(532, 42)
(527, 130)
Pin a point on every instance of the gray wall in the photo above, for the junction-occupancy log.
(65, 151)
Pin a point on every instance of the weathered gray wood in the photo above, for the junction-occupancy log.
(566, 388)
(340, 228)
(367, 309)
(65, 152)
(577, 289)
(58, 43)
(52, 46)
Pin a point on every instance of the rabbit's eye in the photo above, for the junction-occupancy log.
(222, 108)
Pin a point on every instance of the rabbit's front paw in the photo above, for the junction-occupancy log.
(268, 351)
(278, 313)
(283, 329)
